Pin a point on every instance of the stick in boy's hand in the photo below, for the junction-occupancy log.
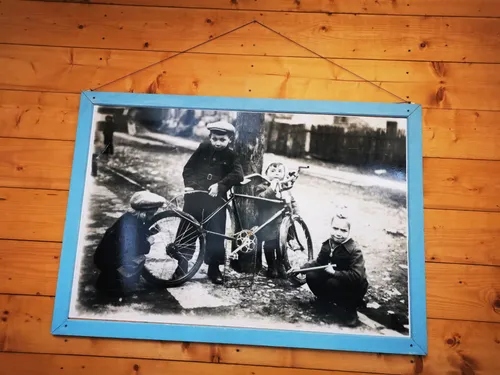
(301, 270)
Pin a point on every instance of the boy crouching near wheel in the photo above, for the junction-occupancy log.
(120, 255)
(343, 281)
(269, 235)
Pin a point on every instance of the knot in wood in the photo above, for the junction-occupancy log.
(440, 94)
(496, 306)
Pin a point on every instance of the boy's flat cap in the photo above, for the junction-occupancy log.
(145, 200)
(221, 126)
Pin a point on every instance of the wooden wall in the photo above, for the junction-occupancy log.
(444, 55)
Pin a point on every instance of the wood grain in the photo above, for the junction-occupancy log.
(28, 330)
(467, 292)
(431, 84)
(463, 8)
(32, 214)
(38, 115)
(464, 184)
(465, 348)
(176, 29)
(28, 267)
(446, 133)
(41, 364)
(462, 237)
(454, 291)
(461, 134)
(455, 347)
(35, 163)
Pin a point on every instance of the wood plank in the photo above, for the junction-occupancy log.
(68, 69)
(454, 346)
(446, 133)
(454, 291)
(32, 214)
(462, 237)
(457, 347)
(28, 330)
(38, 115)
(464, 184)
(35, 163)
(461, 134)
(467, 292)
(41, 364)
(435, 85)
(448, 183)
(463, 8)
(29, 267)
(333, 35)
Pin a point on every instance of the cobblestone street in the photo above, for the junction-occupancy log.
(136, 165)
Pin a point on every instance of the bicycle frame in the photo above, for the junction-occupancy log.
(232, 198)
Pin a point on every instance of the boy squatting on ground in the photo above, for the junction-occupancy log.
(120, 254)
(346, 284)
(213, 167)
(269, 235)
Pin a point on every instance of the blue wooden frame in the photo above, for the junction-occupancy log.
(414, 344)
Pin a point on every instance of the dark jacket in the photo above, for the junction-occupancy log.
(206, 166)
(347, 259)
(108, 129)
(122, 244)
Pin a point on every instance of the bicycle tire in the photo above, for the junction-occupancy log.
(285, 227)
(167, 283)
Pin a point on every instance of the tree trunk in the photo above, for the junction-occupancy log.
(249, 146)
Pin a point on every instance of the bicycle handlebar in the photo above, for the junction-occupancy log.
(294, 175)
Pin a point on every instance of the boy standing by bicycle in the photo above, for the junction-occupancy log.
(213, 167)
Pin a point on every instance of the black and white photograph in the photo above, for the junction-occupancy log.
(284, 221)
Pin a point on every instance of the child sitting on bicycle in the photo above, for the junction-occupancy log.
(268, 236)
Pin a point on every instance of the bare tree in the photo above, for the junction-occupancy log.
(250, 147)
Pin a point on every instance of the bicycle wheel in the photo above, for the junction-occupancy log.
(177, 249)
(295, 246)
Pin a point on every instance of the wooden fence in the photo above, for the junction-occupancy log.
(285, 139)
(359, 147)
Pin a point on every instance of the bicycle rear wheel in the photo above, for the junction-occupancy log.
(177, 250)
(295, 246)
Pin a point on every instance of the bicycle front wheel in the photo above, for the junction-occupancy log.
(177, 249)
(295, 246)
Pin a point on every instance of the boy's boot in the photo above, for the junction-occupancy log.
(214, 274)
(271, 263)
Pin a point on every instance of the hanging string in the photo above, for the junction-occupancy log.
(332, 62)
(273, 31)
(174, 55)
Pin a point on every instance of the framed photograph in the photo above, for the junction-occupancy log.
(269, 222)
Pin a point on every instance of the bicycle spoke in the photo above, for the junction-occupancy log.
(187, 247)
(176, 252)
(190, 237)
(186, 230)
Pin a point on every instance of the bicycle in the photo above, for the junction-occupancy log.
(180, 239)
